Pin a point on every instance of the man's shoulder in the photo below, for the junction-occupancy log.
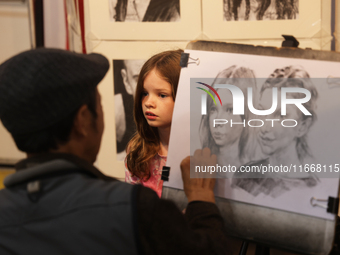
(96, 187)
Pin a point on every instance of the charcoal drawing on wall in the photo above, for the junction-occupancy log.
(241, 10)
(144, 10)
(125, 81)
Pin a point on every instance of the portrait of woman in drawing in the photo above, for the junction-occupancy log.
(282, 145)
(232, 145)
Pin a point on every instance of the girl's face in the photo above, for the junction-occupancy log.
(277, 139)
(224, 134)
(157, 101)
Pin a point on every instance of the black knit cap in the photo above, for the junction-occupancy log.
(40, 87)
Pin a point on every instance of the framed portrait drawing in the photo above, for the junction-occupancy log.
(144, 19)
(234, 19)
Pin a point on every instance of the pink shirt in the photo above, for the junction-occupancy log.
(156, 165)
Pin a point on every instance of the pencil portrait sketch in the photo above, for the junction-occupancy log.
(282, 146)
(255, 137)
(229, 144)
(239, 10)
(232, 145)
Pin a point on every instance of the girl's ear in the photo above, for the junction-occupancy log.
(303, 127)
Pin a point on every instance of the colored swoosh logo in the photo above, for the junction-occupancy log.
(212, 89)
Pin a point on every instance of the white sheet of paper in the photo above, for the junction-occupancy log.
(324, 142)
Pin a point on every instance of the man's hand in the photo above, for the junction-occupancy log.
(198, 189)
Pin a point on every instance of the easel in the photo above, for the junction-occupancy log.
(266, 226)
(333, 206)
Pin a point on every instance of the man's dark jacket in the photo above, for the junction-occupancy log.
(60, 204)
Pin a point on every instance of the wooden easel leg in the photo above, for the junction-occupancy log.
(244, 248)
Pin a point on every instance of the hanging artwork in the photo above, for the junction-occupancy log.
(125, 81)
(144, 10)
(260, 9)
(261, 19)
(144, 19)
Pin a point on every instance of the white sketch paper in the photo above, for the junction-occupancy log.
(323, 140)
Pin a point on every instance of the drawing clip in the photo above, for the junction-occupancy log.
(185, 60)
(314, 202)
(165, 173)
(332, 204)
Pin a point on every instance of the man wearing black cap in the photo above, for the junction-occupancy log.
(57, 202)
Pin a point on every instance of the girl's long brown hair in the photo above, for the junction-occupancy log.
(145, 144)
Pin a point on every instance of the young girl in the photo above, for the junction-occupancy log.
(154, 102)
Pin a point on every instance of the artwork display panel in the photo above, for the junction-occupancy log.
(182, 23)
(233, 19)
(322, 137)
